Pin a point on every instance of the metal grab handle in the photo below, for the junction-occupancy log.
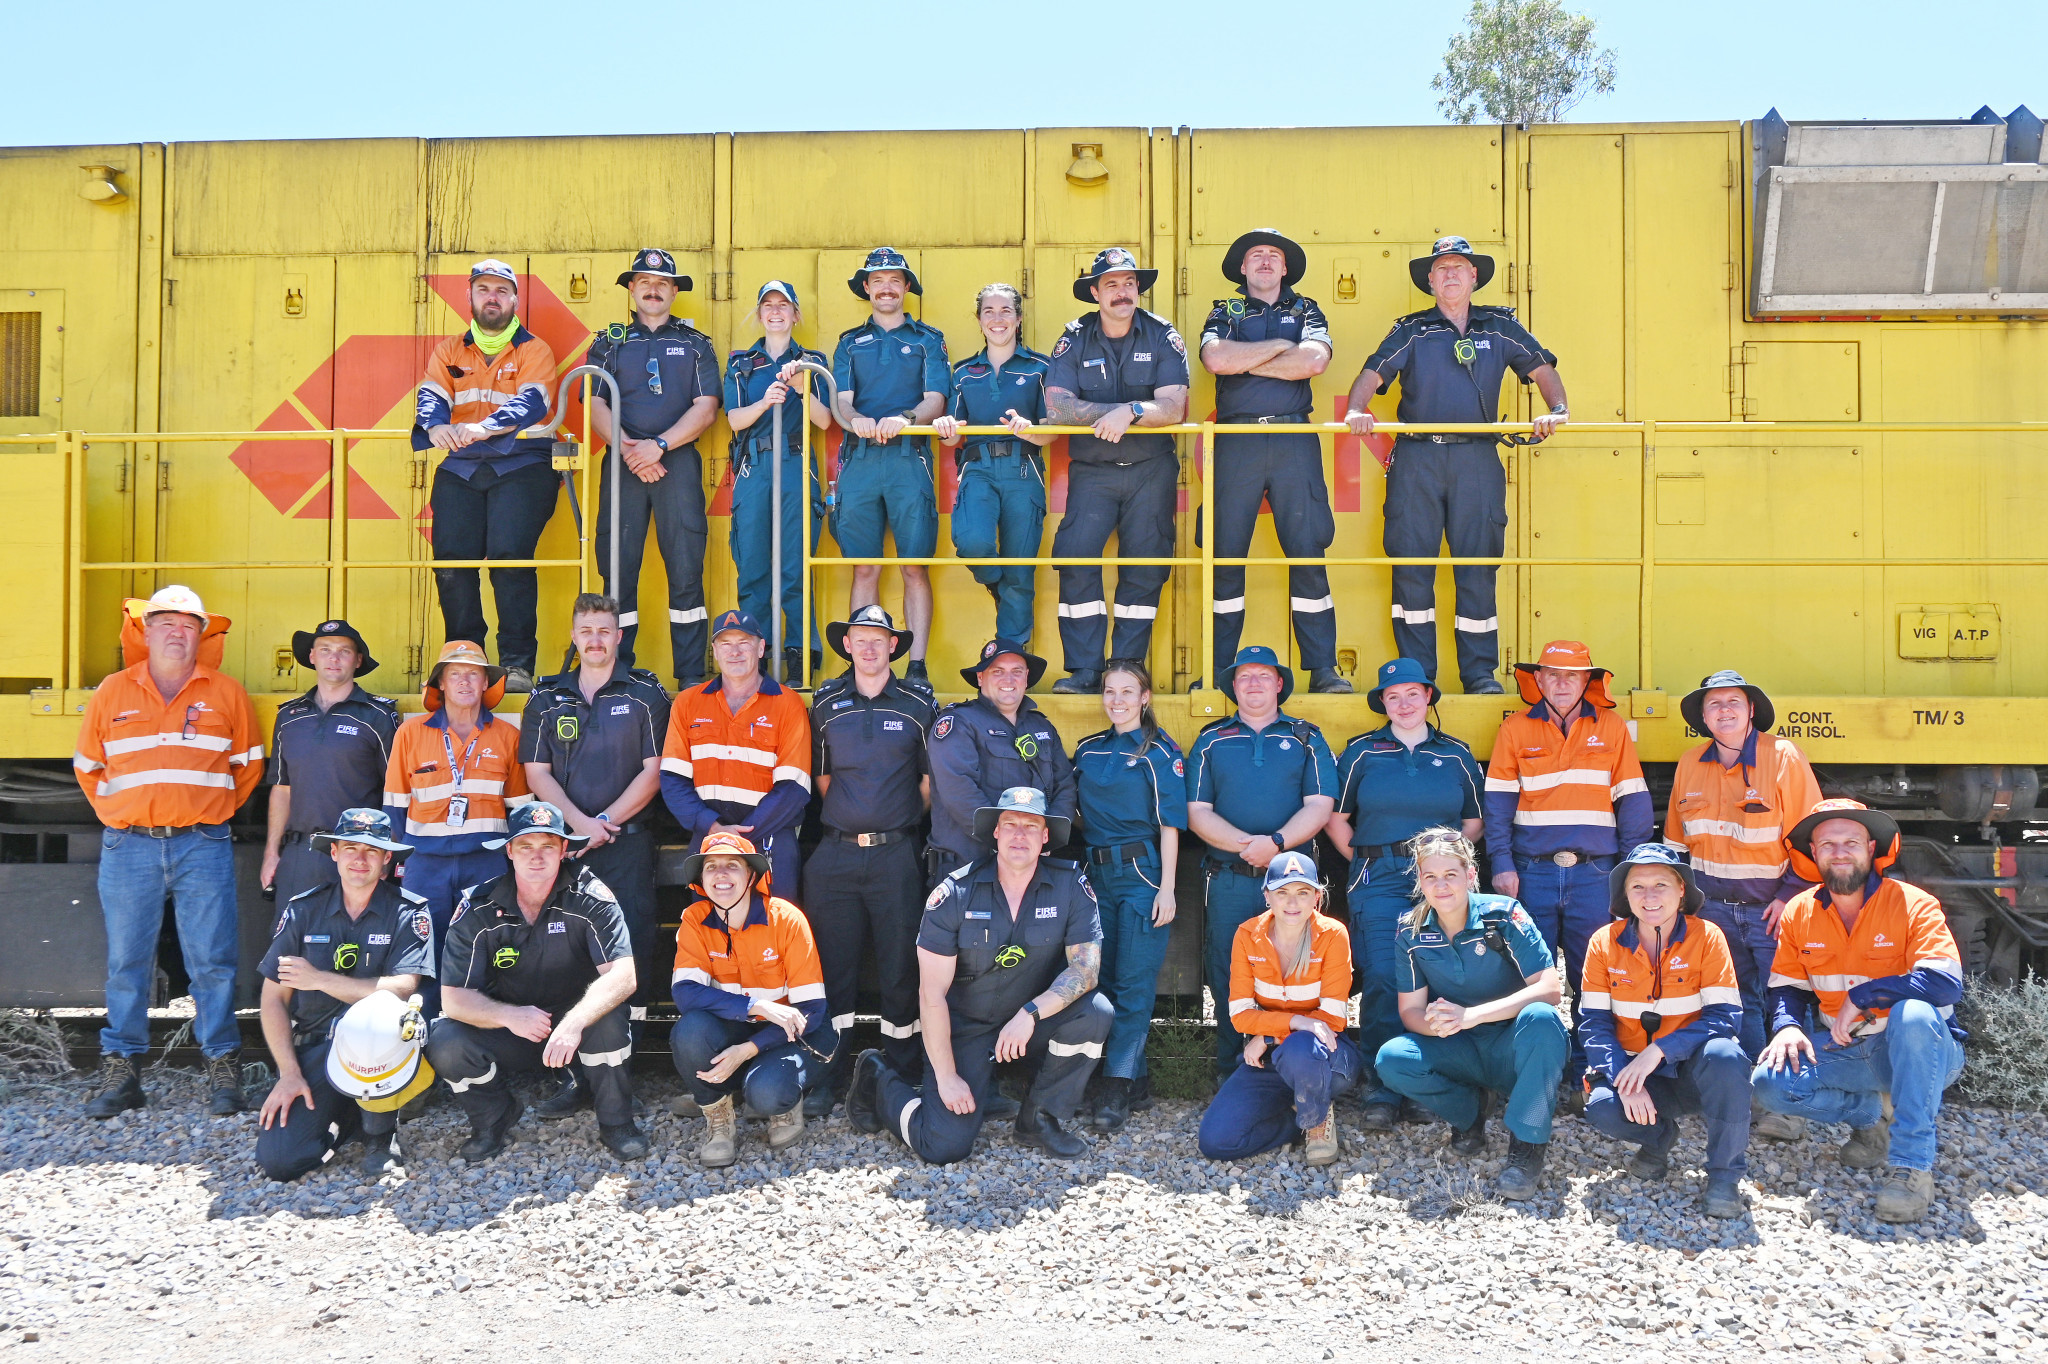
(775, 512)
(554, 423)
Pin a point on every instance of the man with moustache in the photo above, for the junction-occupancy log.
(667, 372)
(495, 488)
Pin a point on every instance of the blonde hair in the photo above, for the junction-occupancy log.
(1441, 841)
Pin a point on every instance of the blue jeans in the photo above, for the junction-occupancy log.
(1752, 950)
(440, 879)
(1132, 953)
(195, 870)
(1914, 1059)
(1378, 901)
(753, 545)
(1229, 900)
(1521, 1059)
(1261, 1107)
(1712, 1081)
(773, 1082)
(1000, 510)
(1569, 905)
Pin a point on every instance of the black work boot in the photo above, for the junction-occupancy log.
(1470, 1141)
(1485, 686)
(917, 674)
(490, 1135)
(120, 1088)
(1382, 1113)
(864, 1095)
(380, 1153)
(1079, 684)
(624, 1140)
(1328, 682)
(1038, 1128)
(224, 1095)
(1524, 1169)
(565, 1101)
(1113, 1106)
(1651, 1162)
(820, 1102)
(1141, 1093)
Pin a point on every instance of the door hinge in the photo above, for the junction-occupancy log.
(1734, 276)
(1529, 278)
(1529, 174)
(412, 657)
(716, 296)
(122, 485)
(418, 478)
(170, 292)
(1511, 466)
(1024, 275)
(1183, 281)
(1728, 175)
(1745, 407)
(163, 475)
(421, 292)
(1511, 277)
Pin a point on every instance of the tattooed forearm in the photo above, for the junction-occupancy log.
(1084, 964)
(1065, 409)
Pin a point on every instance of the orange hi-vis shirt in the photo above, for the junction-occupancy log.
(1901, 929)
(1732, 819)
(1551, 790)
(1693, 979)
(771, 956)
(718, 766)
(150, 763)
(421, 786)
(1265, 999)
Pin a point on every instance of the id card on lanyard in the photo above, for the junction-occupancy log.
(458, 804)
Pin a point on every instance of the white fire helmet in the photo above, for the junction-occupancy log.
(378, 1055)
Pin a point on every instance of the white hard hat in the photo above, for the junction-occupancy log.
(378, 1054)
(179, 598)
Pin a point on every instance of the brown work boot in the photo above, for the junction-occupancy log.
(1867, 1147)
(224, 1095)
(120, 1088)
(721, 1144)
(784, 1128)
(1319, 1143)
(1774, 1126)
(1905, 1195)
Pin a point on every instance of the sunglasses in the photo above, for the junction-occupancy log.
(654, 377)
(191, 722)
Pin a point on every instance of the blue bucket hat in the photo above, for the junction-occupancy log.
(1652, 855)
(1392, 675)
(883, 258)
(737, 620)
(372, 828)
(1693, 704)
(1292, 869)
(1108, 260)
(536, 817)
(1027, 800)
(652, 260)
(1257, 653)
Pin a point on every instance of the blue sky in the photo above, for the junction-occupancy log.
(125, 72)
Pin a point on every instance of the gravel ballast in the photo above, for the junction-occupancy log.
(154, 1235)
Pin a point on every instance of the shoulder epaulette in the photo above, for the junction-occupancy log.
(1421, 315)
(1494, 310)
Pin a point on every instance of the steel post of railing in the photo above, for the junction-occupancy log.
(337, 530)
(612, 458)
(1205, 666)
(73, 448)
(805, 369)
(1647, 577)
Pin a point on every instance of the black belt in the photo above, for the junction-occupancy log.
(1283, 419)
(1454, 440)
(1124, 852)
(625, 829)
(291, 836)
(1239, 867)
(870, 840)
(160, 830)
(1372, 852)
(990, 449)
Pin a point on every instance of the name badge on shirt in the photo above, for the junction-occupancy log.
(317, 937)
(458, 811)
(974, 914)
(558, 927)
(1429, 940)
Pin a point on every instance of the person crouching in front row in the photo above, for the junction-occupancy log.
(1290, 970)
(751, 995)
(1658, 1017)
(1478, 994)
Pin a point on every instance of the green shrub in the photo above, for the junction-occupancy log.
(2007, 1048)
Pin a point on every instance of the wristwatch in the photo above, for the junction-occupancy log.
(1031, 1007)
(662, 443)
(1137, 411)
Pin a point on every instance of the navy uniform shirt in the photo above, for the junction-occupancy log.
(1472, 968)
(1435, 387)
(1130, 368)
(1247, 397)
(976, 755)
(393, 937)
(1127, 796)
(688, 370)
(595, 750)
(749, 374)
(1258, 779)
(873, 749)
(889, 370)
(333, 760)
(983, 394)
(968, 918)
(1393, 792)
(548, 963)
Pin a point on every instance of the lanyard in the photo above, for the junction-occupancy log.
(448, 746)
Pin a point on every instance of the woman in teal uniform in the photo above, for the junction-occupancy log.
(1132, 786)
(1394, 782)
(1479, 998)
